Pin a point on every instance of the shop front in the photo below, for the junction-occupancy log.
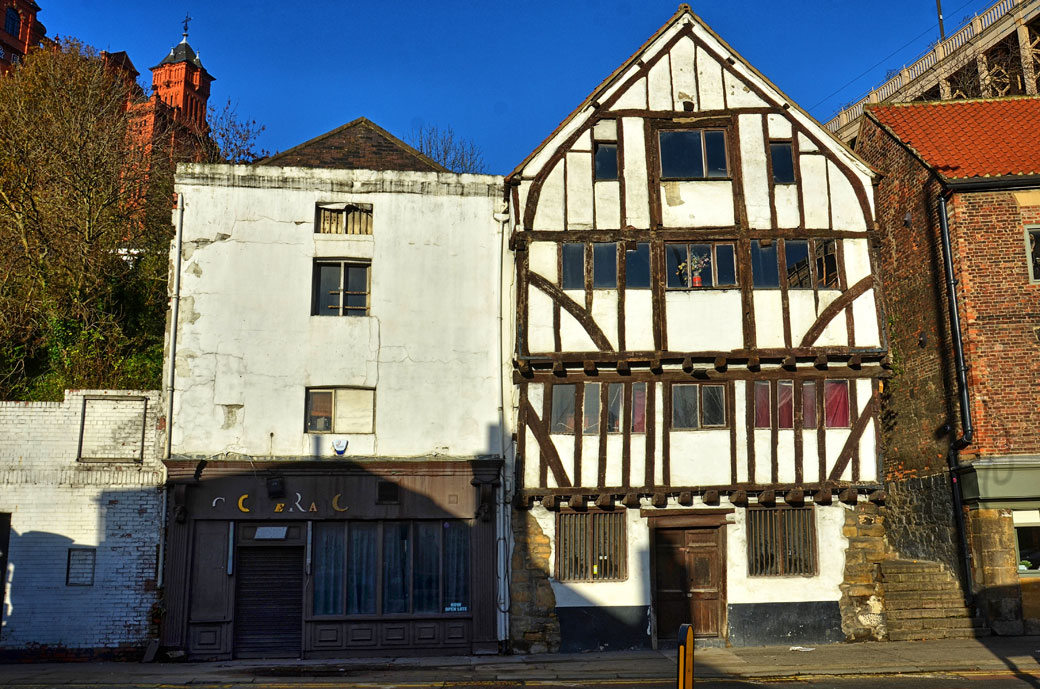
(283, 559)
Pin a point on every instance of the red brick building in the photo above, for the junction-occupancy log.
(959, 214)
(21, 31)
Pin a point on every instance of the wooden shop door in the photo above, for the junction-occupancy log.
(689, 582)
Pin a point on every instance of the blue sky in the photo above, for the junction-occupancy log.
(503, 74)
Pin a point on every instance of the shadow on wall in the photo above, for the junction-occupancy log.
(86, 597)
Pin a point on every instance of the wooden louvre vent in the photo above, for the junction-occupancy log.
(344, 218)
(591, 547)
(781, 542)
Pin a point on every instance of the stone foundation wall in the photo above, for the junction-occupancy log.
(533, 625)
(991, 535)
(919, 520)
(861, 605)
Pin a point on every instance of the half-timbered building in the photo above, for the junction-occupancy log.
(697, 354)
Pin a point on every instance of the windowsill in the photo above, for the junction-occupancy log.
(696, 179)
(339, 432)
(703, 288)
(673, 429)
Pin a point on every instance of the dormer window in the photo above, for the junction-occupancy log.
(12, 22)
(693, 154)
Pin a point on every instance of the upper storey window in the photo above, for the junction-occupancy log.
(603, 265)
(12, 21)
(693, 154)
(782, 158)
(809, 264)
(606, 162)
(1033, 247)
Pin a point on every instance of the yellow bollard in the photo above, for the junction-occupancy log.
(685, 677)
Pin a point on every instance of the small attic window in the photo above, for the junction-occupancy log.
(12, 22)
(343, 218)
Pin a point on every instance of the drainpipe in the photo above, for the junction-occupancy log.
(967, 428)
(503, 539)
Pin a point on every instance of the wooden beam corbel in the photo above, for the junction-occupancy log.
(789, 362)
(605, 501)
(589, 367)
(824, 496)
(525, 368)
(686, 498)
(687, 365)
(559, 369)
(856, 361)
(659, 500)
(848, 496)
(821, 362)
(754, 363)
(576, 502)
(622, 367)
(795, 496)
(550, 502)
(721, 363)
(739, 498)
(631, 501)
(523, 502)
(767, 498)
(711, 497)
(878, 497)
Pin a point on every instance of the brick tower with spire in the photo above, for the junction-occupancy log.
(181, 82)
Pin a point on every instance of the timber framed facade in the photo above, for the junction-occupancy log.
(697, 335)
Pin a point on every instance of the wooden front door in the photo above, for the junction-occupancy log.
(689, 586)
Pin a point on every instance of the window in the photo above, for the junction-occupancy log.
(785, 404)
(340, 288)
(693, 154)
(639, 407)
(1033, 252)
(700, 265)
(606, 167)
(79, 569)
(590, 411)
(781, 542)
(782, 158)
(423, 567)
(12, 22)
(811, 263)
(591, 546)
(763, 412)
(562, 419)
(765, 271)
(809, 404)
(698, 406)
(604, 265)
(340, 410)
(343, 218)
(835, 404)
(637, 267)
(564, 401)
(615, 391)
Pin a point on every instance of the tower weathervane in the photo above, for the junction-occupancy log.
(187, 18)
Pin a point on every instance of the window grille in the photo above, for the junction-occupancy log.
(591, 546)
(344, 219)
(781, 542)
(79, 569)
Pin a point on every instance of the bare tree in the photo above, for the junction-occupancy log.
(233, 140)
(448, 149)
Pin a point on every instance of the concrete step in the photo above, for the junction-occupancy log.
(927, 613)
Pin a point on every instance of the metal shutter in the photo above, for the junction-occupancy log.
(269, 602)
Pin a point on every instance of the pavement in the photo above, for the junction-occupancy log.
(1013, 655)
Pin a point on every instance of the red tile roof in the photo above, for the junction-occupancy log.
(969, 138)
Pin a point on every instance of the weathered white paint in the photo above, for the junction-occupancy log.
(658, 434)
(614, 475)
(531, 463)
(604, 312)
(802, 307)
(608, 205)
(684, 77)
(589, 460)
(573, 336)
(815, 201)
(806, 145)
(709, 81)
(243, 365)
(543, 259)
(540, 329)
(868, 466)
(637, 197)
(835, 333)
(864, 316)
(700, 457)
(637, 459)
(763, 455)
(550, 213)
(811, 455)
(740, 588)
(579, 191)
(785, 463)
(690, 330)
(786, 198)
(779, 126)
(697, 204)
(739, 94)
(634, 97)
(769, 318)
(605, 130)
(660, 86)
(740, 397)
(846, 212)
(835, 439)
(639, 334)
(583, 142)
(857, 259)
(564, 444)
(753, 168)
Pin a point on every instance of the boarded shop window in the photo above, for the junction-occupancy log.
(79, 569)
(693, 154)
(783, 162)
(698, 406)
(340, 410)
(689, 266)
(591, 546)
(637, 267)
(606, 162)
(343, 218)
(1033, 252)
(341, 288)
(781, 542)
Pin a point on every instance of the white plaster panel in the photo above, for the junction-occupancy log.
(539, 321)
(740, 410)
(697, 204)
(531, 459)
(704, 320)
(543, 259)
(658, 434)
(541, 158)
(857, 259)
(608, 205)
(802, 307)
(564, 444)
(740, 588)
(835, 439)
(604, 313)
(763, 456)
(634, 98)
(779, 126)
(589, 460)
(846, 212)
(549, 214)
(806, 145)
(810, 457)
(635, 590)
(535, 396)
(573, 336)
(815, 197)
(614, 468)
(868, 441)
(579, 191)
(739, 94)
(753, 168)
(785, 197)
(835, 333)
(639, 334)
(637, 197)
(583, 142)
(769, 318)
(340, 245)
(700, 458)
(709, 82)
(605, 130)
(525, 189)
(864, 318)
(637, 459)
(684, 79)
(785, 456)
(660, 86)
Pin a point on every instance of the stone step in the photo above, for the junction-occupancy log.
(908, 601)
(927, 613)
(903, 577)
(903, 625)
(922, 634)
(902, 587)
(910, 566)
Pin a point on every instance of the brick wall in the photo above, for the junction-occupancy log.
(59, 502)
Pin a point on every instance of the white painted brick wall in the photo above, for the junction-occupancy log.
(58, 502)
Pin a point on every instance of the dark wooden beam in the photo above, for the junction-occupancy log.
(824, 496)
(721, 363)
(631, 501)
(878, 496)
(821, 362)
(576, 502)
(739, 498)
(767, 498)
(754, 363)
(550, 502)
(559, 369)
(659, 500)
(687, 364)
(686, 498)
(605, 501)
(589, 367)
(711, 497)
(795, 496)
(790, 363)
(848, 496)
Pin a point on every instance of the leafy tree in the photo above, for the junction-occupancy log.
(444, 146)
(85, 201)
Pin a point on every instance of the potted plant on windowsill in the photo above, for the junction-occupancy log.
(696, 264)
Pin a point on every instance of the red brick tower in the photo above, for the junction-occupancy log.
(181, 82)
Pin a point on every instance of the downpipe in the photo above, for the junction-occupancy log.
(503, 537)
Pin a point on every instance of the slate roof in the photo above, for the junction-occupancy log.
(182, 52)
(357, 145)
(962, 139)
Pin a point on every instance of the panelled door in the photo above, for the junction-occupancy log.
(689, 582)
(269, 602)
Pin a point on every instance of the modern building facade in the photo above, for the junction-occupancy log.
(697, 353)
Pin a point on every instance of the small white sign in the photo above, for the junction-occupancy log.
(270, 533)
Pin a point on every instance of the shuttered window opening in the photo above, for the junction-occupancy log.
(346, 218)
(591, 546)
(781, 542)
(269, 602)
